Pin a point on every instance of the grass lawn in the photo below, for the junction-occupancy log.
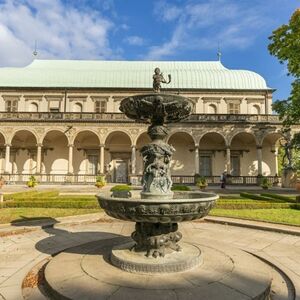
(278, 215)
(8, 215)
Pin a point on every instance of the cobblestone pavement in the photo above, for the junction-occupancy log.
(19, 253)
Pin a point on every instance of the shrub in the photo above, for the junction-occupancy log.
(121, 187)
(201, 182)
(100, 181)
(180, 188)
(265, 183)
(279, 197)
(32, 182)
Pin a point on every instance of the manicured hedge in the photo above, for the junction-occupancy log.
(53, 204)
(251, 205)
(259, 197)
(296, 206)
(280, 197)
(178, 187)
(32, 195)
(121, 187)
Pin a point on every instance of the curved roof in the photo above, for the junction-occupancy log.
(129, 74)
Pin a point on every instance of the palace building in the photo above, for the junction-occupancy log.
(60, 120)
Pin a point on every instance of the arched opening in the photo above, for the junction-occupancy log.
(271, 151)
(55, 153)
(243, 152)
(183, 160)
(33, 107)
(86, 153)
(142, 140)
(212, 154)
(117, 157)
(77, 107)
(23, 153)
(212, 109)
(255, 110)
(2, 154)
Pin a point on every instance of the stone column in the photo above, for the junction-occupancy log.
(276, 160)
(133, 159)
(7, 156)
(259, 160)
(228, 160)
(197, 160)
(70, 161)
(39, 158)
(101, 159)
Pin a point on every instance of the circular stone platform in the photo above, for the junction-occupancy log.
(85, 272)
(136, 262)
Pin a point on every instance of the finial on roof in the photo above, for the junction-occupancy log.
(219, 53)
(35, 53)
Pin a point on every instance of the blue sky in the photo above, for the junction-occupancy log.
(147, 30)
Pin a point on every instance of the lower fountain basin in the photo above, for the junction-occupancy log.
(185, 206)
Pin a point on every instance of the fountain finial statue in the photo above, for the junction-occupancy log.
(158, 78)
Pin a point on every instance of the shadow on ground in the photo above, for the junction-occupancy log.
(63, 240)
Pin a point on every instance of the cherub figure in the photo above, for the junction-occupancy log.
(158, 78)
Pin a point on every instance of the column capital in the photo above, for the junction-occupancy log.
(258, 147)
(39, 145)
(133, 146)
(101, 145)
(7, 145)
(197, 147)
(71, 145)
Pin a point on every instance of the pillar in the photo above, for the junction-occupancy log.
(197, 160)
(276, 160)
(70, 161)
(102, 159)
(133, 159)
(39, 158)
(228, 160)
(259, 160)
(7, 156)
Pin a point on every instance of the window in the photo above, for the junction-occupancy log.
(77, 107)
(54, 105)
(54, 110)
(100, 106)
(92, 168)
(205, 165)
(11, 105)
(33, 107)
(233, 108)
(255, 110)
(235, 165)
(212, 109)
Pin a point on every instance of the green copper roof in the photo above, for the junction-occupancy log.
(129, 74)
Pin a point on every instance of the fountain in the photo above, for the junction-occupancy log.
(155, 263)
(157, 211)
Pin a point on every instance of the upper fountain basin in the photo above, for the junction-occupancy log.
(185, 206)
(156, 108)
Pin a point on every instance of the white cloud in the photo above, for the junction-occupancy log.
(135, 40)
(201, 26)
(60, 31)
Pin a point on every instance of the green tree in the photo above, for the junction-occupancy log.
(285, 45)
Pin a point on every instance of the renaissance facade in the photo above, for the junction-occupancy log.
(60, 120)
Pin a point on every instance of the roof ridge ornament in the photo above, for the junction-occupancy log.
(219, 53)
(35, 53)
(158, 78)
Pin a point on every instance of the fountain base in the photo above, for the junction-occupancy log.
(124, 258)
